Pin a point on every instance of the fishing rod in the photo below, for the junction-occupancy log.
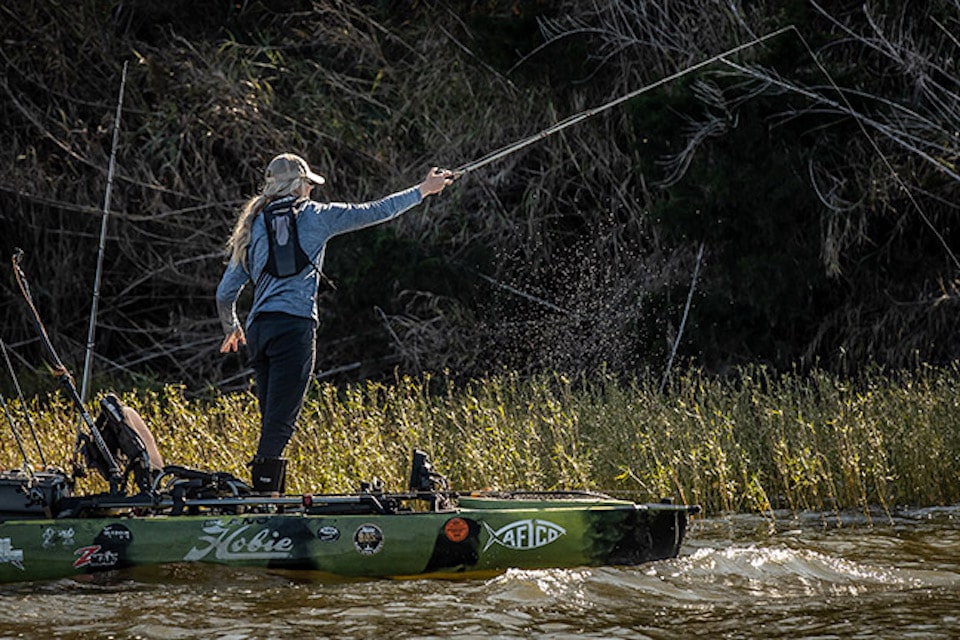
(66, 379)
(23, 402)
(91, 330)
(721, 57)
(576, 118)
(16, 436)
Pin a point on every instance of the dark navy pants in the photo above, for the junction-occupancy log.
(282, 350)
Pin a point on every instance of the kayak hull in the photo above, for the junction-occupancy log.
(477, 534)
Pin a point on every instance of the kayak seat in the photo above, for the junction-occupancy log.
(128, 440)
(135, 451)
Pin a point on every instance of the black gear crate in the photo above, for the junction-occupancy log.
(36, 495)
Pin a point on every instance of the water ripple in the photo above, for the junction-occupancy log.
(811, 576)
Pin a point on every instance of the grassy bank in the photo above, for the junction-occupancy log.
(749, 442)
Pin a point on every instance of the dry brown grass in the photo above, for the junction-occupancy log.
(752, 442)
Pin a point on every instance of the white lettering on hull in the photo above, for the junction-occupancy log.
(240, 542)
(9, 555)
(524, 535)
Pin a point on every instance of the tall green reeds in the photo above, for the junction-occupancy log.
(750, 442)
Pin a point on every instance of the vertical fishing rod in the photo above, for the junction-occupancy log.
(589, 113)
(66, 380)
(91, 330)
(23, 402)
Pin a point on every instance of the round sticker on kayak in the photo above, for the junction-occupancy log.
(368, 539)
(456, 529)
(328, 534)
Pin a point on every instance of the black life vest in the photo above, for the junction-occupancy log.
(286, 257)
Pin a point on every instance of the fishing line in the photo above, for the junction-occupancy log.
(589, 113)
(521, 294)
(722, 57)
(63, 375)
(513, 147)
(91, 330)
(862, 121)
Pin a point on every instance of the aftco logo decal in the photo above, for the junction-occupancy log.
(524, 535)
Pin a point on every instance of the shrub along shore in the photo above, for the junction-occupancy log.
(750, 442)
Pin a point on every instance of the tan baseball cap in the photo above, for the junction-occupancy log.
(288, 166)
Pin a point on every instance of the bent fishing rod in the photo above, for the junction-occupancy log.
(65, 378)
(513, 147)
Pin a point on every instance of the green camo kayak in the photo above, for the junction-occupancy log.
(366, 534)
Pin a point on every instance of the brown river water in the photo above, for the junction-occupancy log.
(812, 576)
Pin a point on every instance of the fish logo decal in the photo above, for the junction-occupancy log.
(524, 535)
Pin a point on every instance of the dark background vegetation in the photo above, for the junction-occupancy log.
(828, 220)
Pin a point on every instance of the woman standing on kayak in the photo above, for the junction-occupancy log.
(278, 243)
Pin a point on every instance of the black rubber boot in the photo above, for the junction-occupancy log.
(269, 475)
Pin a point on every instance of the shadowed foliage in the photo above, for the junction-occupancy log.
(827, 218)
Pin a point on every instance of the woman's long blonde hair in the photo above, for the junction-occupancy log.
(272, 189)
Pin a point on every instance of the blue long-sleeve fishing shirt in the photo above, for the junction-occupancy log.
(316, 224)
